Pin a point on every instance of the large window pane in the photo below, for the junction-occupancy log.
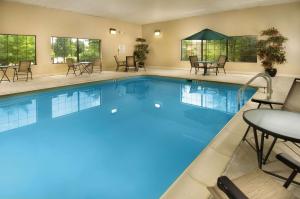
(15, 48)
(3, 49)
(190, 48)
(78, 49)
(242, 49)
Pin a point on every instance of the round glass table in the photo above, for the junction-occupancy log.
(276, 123)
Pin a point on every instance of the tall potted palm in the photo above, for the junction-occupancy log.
(271, 50)
(141, 51)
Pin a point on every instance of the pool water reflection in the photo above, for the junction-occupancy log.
(135, 136)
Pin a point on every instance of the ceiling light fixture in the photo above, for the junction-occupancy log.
(112, 31)
(157, 33)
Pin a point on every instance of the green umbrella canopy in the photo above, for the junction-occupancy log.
(207, 34)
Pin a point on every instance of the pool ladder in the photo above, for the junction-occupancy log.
(240, 95)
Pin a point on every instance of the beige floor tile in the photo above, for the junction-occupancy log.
(208, 166)
(186, 188)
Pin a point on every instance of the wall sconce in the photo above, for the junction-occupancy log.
(157, 33)
(112, 31)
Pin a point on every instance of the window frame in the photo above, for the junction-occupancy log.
(77, 46)
(35, 59)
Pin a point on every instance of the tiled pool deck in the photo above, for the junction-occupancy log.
(224, 155)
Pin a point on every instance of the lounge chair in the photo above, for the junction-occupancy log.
(257, 184)
(194, 63)
(119, 63)
(72, 66)
(291, 103)
(131, 63)
(23, 69)
(220, 64)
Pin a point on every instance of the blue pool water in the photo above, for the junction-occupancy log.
(127, 139)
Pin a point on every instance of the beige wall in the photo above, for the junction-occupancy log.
(165, 51)
(24, 19)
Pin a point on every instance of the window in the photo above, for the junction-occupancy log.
(15, 48)
(240, 49)
(212, 49)
(78, 49)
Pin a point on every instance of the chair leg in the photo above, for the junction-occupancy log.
(14, 75)
(27, 77)
(191, 70)
(224, 71)
(68, 71)
(74, 70)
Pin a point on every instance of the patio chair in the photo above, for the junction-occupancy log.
(256, 184)
(131, 63)
(23, 69)
(220, 64)
(97, 63)
(194, 63)
(119, 63)
(72, 66)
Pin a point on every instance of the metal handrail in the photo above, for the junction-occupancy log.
(268, 79)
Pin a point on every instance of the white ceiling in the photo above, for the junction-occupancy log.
(149, 11)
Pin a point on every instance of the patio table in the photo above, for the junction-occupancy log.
(85, 67)
(205, 63)
(4, 75)
(276, 123)
(3, 69)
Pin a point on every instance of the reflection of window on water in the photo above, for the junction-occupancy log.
(13, 116)
(64, 104)
(68, 103)
(213, 98)
(190, 97)
(89, 99)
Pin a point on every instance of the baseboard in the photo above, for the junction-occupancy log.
(227, 71)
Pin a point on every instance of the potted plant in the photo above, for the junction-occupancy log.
(271, 50)
(141, 51)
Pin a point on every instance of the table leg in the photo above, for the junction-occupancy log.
(261, 151)
(270, 150)
(259, 147)
(246, 133)
(4, 70)
(205, 68)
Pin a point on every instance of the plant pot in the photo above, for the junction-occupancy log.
(271, 71)
(141, 64)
